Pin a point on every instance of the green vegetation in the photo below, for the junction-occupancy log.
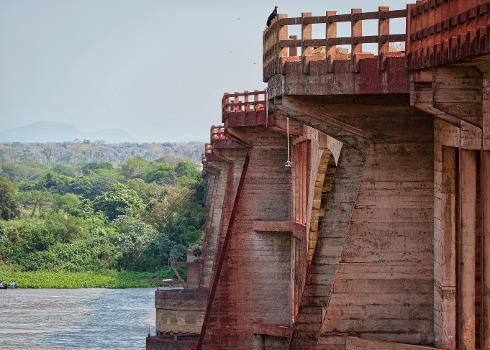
(89, 279)
(8, 209)
(96, 225)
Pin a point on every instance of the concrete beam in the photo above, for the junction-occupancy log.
(319, 118)
(445, 235)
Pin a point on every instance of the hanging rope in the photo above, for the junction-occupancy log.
(288, 162)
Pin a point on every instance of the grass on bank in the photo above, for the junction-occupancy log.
(89, 279)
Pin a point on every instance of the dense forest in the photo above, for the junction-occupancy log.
(78, 153)
(96, 216)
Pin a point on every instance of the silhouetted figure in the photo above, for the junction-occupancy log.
(272, 16)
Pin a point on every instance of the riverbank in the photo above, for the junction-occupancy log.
(89, 279)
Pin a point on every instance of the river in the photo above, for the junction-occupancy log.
(88, 319)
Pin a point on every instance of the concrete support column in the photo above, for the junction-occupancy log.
(485, 200)
(467, 249)
(445, 245)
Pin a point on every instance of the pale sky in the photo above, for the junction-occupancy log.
(156, 69)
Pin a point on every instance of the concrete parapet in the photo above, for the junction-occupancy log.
(280, 48)
(180, 311)
(443, 32)
(342, 79)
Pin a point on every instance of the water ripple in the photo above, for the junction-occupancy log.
(88, 319)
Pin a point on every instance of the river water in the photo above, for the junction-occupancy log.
(48, 319)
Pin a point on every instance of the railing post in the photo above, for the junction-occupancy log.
(224, 106)
(331, 33)
(226, 100)
(293, 51)
(247, 108)
(410, 37)
(282, 34)
(211, 139)
(437, 17)
(383, 32)
(429, 50)
(306, 34)
(256, 99)
(236, 102)
(424, 48)
(356, 33)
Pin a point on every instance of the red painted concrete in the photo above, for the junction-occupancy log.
(442, 32)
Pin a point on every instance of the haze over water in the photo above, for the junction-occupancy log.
(47, 319)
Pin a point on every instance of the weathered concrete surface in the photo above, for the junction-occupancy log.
(377, 236)
(244, 290)
(457, 97)
(355, 343)
(330, 241)
(443, 32)
(381, 259)
(179, 318)
(180, 311)
(216, 173)
(343, 80)
(171, 343)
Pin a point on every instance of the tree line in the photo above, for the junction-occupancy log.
(137, 216)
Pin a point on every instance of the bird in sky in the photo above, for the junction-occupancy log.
(272, 16)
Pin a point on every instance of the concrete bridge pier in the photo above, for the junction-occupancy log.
(485, 204)
(253, 256)
(378, 235)
(384, 180)
(455, 96)
(467, 283)
(485, 176)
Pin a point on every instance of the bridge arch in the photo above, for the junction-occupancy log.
(323, 184)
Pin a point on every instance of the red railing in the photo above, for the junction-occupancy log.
(217, 133)
(242, 102)
(208, 151)
(279, 47)
(442, 31)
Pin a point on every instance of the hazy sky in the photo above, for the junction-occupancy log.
(156, 69)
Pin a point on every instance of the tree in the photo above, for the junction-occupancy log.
(66, 170)
(163, 174)
(117, 201)
(8, 207)
(187, 169)
(146, 191)
(133, 167)
(134, 242)
(92, 167)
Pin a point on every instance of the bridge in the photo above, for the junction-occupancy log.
(349, 202)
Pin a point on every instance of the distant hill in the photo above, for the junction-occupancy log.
(75, 153)
(59, 132)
